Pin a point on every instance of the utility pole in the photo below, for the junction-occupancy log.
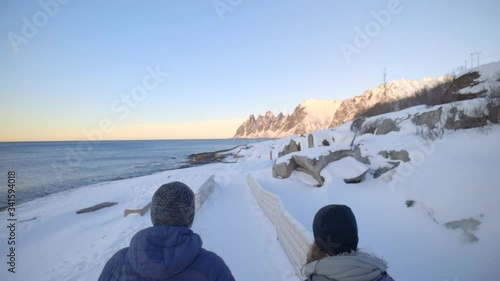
(471, 58)
(385, 86)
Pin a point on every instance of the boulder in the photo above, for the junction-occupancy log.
(291, 147)
(454, 93)
(429, 118)
(357, 179)
(357, 155)
(309, 166)
(464, 121)
(284, 170)
(382, 170)
(494, 113)
(386, 126)
(395, 155)
(468, 226)
(357, 124)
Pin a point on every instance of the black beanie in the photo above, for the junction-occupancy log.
(335, 229)
(173, 204)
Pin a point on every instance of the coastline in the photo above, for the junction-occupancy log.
(192, 160)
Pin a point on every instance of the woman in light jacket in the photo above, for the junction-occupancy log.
(334, 254)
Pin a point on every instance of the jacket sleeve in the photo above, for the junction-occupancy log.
(107, 271)
(224, 273)
(219, 271)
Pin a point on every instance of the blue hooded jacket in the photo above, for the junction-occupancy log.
(171, 253)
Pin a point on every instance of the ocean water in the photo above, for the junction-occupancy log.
(44, 168)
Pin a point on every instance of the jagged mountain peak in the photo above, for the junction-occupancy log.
(308, 116)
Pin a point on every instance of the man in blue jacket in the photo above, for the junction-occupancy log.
(169, 250)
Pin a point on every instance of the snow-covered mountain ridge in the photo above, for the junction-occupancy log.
(308, 116)
(395, 95)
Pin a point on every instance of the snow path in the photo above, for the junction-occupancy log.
(251, 250)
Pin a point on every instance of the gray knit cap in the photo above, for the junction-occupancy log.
(173, 204)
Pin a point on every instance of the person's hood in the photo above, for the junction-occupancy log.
(163, 251)
(354, 267)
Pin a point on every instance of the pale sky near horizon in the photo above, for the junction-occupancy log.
(198, 69)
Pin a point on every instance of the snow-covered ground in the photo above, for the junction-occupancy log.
(453, 178)
(457, 178)
(61, 245)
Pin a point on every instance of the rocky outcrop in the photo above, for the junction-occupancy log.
(494, 110)
(396, 157)
(380, 126)
(384, 169)
(314, 166)
(401, 155)
(309, 166)
(289, 148)
(386, 126)
(459, 120)
(357, 179)
(357, 155)
(468, 226)
(429, 118)
(481, 81)
(357, 124)
(461, 82)
(392, 96)
(214, 156)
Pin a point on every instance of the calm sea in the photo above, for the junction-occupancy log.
(43, 168)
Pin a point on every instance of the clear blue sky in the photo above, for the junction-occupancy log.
(259, 55)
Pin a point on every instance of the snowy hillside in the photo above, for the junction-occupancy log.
(391, 91)
(477, 82)
(319, 114)
(391, 96)
(308, 116)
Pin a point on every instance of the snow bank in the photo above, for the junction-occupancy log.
(345, 168)
(203, 192)
(451, 179)
(294, 238)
